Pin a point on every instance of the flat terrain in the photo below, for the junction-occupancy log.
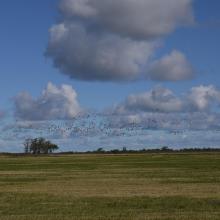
(119, 187)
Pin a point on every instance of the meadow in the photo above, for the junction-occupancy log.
(172, 186)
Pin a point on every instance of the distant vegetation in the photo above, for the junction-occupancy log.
(164, 149)
(39, 146)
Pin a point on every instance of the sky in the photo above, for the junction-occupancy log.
(98, 73)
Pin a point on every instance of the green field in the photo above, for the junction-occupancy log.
(119, 187)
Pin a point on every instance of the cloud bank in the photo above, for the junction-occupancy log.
(162, 109)
(54, 103)
(102, 40)
(159, 108)
(162, 100)
(152, 118)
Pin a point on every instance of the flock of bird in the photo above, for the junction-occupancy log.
(89, 126)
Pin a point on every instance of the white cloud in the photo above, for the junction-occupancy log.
(157, 100)
(54, 103)
(102, 40)
(145, 19)
(160, 108)
(172, 67)
(162, 100)
(87, 56)
(202, 98)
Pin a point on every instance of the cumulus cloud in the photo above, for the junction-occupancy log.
(113, 40)
(54, 103)
(162, 109)
(203, 98)
(172, 67)
(157, 100)
(87, 56)
(145, 19)
(163, 100)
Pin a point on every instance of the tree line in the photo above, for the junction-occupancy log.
(164, 149)
(39, 146)
(43, 146)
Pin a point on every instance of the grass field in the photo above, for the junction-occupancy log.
(119, 187)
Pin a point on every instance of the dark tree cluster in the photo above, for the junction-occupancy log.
(164, 149)
(39, 146)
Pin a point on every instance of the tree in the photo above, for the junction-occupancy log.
(124, 149)
(165, 148)
(27, 145)
(39, 146)
(100, 150)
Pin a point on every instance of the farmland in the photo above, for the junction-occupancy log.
(172, 186)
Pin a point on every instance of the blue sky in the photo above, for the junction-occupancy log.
(24, 40)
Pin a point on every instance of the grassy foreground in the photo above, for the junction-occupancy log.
(119, 187)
